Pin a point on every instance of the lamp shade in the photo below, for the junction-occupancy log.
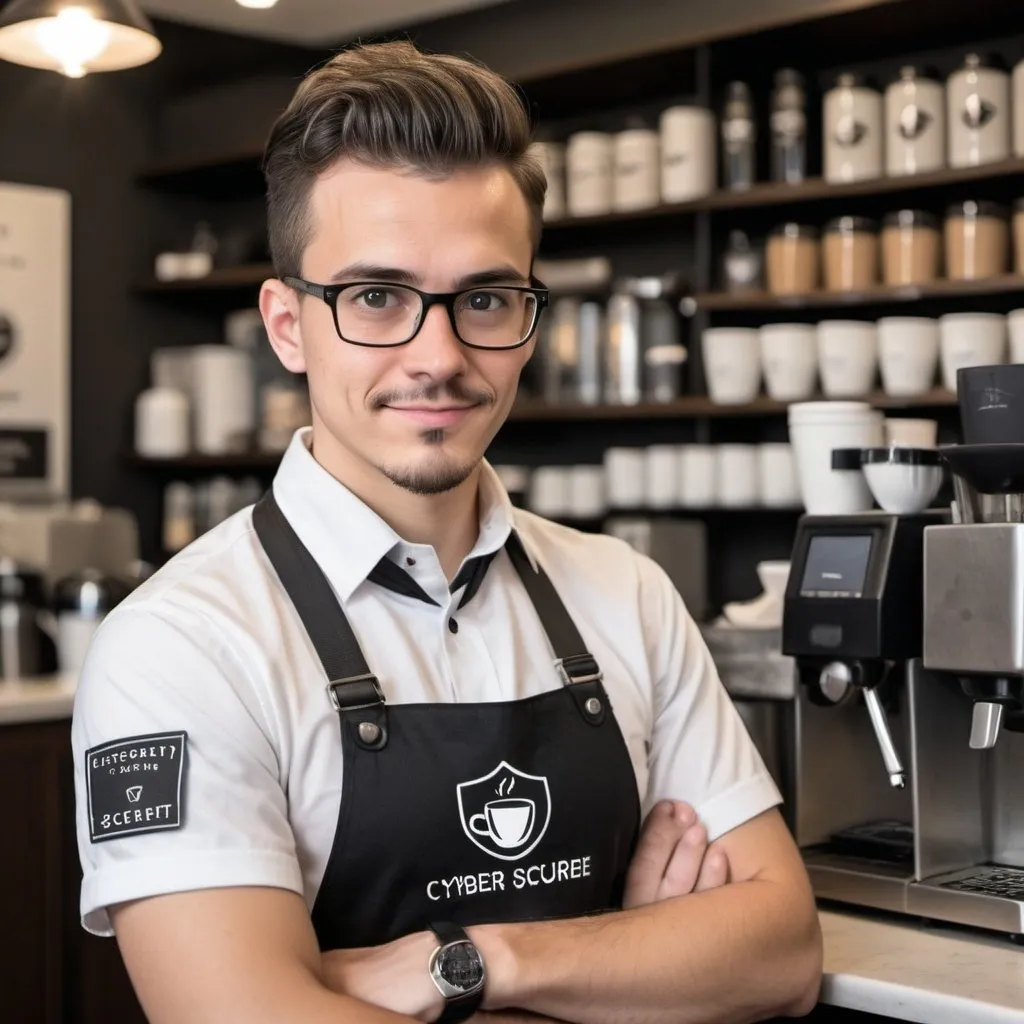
(77, 36)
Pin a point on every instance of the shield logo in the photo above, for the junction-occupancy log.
(133, 793)
(505, 812)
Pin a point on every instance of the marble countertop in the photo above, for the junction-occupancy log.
(36, 700)
(931, 974)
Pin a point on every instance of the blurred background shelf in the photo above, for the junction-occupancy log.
(536, 411)
(245, 276)
(765, 301)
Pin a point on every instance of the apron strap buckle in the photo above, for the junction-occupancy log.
(579, 668)
(355, 693)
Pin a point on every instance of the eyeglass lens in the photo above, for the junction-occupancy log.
(391, 314)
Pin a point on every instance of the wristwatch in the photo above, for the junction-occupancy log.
(457, 969)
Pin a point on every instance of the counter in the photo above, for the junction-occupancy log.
(36, 700)
(932, 974)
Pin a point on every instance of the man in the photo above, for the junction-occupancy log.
(381, 745)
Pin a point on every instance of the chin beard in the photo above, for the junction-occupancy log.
(443, 476)
(429, 480)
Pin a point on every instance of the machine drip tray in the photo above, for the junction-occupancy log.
(984, 896)
(991, 880)
(889, 841)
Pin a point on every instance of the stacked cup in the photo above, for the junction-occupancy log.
(815, 429)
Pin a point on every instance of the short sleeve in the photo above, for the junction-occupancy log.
(701, 751)
(177, 781)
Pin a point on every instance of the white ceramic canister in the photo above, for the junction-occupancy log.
(163, 428)
(1017, 88)
(853, 131)
(589, 167)
(915, 124)
(978, 104)
(637, 169)
(551, 157)
(688, 161)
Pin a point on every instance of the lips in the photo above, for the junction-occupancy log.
(433, 417)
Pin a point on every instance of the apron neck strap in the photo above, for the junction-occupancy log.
(574, 662)
(352, 685)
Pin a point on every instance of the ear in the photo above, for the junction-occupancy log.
(279, 305)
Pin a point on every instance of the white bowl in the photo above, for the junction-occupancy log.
(902, 488)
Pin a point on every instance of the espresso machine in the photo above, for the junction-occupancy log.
(908, 636)
(853, 624)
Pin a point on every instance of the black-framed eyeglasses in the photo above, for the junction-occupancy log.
(379, 314)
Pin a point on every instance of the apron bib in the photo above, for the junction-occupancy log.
(472, 813)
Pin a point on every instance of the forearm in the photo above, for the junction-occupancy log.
(737, 954)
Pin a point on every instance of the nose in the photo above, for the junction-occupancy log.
(435, 353)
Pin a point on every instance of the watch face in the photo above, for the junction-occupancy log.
(459, 964)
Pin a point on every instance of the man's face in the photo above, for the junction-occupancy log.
(421, 414)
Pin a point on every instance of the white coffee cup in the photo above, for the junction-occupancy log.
(732, 364)
(697, 471)
(789, 360)
(625, 477)
(737, 476)
(908, 354)
(549, 491)
(970, 339)
(911, 433)
(847, 357)
(662, 476)
(815, 430)
(586, 491)
(1015, 322)
(776, 466)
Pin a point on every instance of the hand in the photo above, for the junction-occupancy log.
(672, 857)
(394, 977)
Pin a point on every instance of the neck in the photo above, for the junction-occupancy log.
(449, 522)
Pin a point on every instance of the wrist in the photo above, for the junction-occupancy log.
(497, 945)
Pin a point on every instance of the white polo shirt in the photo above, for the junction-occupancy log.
(202, 703)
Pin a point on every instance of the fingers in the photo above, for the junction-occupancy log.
(665, 826)
(714, 872)
(684, 866)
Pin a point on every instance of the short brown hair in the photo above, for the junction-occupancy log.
(390, 105)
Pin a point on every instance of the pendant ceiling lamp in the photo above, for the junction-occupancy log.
(77, 36)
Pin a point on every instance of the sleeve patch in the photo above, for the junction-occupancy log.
(134, 785)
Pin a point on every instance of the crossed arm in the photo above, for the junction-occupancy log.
(725, 953)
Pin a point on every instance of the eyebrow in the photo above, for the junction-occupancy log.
(360, 271)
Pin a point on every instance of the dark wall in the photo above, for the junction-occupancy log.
(91, 137)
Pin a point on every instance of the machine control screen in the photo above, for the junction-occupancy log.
(836, 566)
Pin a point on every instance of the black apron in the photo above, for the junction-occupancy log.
(472, 813)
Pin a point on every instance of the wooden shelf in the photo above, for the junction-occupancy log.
(772, 194)
(532, 410)
(224, 279)
(700, 406)
(215, 176)
(226, 463)
(880, 295)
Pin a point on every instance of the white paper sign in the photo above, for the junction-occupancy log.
(35, 278)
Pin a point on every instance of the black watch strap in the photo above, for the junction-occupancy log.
(457, 1008)
(449, 931)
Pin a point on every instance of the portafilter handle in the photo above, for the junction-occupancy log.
(893, 765)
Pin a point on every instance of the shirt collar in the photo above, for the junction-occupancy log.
(345, 536)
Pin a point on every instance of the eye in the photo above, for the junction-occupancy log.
(375, 298)
(484, 302)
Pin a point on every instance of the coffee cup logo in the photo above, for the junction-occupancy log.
(505, 812)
